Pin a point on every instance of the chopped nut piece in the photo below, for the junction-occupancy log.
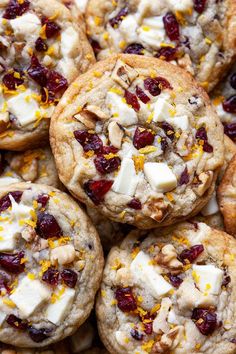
(206, 179)
(168, 258)
(115, 134)
(169, 340)
(62, 255)
(123, 74)
(28, 234)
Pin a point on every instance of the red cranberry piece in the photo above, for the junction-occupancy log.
(96, 46)
(142, 95)
(115, 21)
(135, 204)
(167, 53)
(148, 328)
(199, 5)
(226, 280)
(142, 137)
(152, 86)
(17, 323)
(136, 334)
(47, 226)
(192, 253)
(134, 48)
(148, 325)
(96, 190)
(5, 202)
(163, 83)
(12, 262)
(109, 150)
(56, 82)
(11, 82)
(40, 45)
(229, 104)
(169, 130)
(132, 100)
(206, 320)
(104, 165)
(171, 26)
(47, 96)
(52, 29)
(16, 8)
(202, 135)
(38, 335)
(69, 277)
(88, 141)
(125, 299)
(230, 130)
(184, 177)
(175, 280)
(37, 72)
(233, 81)
(233, 340)
(43, 199)
(51, 276)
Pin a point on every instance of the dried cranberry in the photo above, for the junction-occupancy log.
(114, 22)
(233, 340)
(184, 177)
(96, 46)
(56, 82)
(37, 72)
(148, 328)
(171, 26)
(11, 80)
(69, 277)
(109, 150)
(152, 86)
(52, 29)
(164, 144)
(230, 130)
(163, 83)
(199, 5)
(47, 226)
(136, 334)
(38, 335)
(12, 262)
(142, 95)
(88, 141)
(40, 45)
(47, 96)
(206, 320)
(17, 322)
(202, 135)
(16, 8)
(125, 299)
(135, 204)
(5, 202)
(43, 199)
(175, 280)
(134, 48)
(132, 100)
(51, 276)
(96, 190)
(142, 137)
(229, 104)
(169, 130)
(104, 165)
(233, 81)
(192, 253)
(167, 53)
(226, 280)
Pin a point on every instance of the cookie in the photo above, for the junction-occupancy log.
(36, 166)
(170, 291)
(76, 4)
(226, 197)
(138, 139)
(50, 262)
(198, 35)
(224, 99)
(43, 49)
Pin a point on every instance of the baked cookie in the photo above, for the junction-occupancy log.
(227, 197)
(224, 99)
(76, 4)
(42, 49)
(170, 291)
(198, 35)
(50, 262)
(137, 138)
(36, 166)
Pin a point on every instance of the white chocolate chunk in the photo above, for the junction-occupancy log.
(162, 109)
(81, 4)
(20, 211)
(152, 31)
(57, 311)
(211, 208)
(147, 276)
(172, 317)
(179, 122)
(124, 114)
(29, 296)
(181, 5)
(128, 28)
(209, 278)
(26, 25)
(160, 176)
(5, 181)
(126, 181)
(160, 324)
(223, 115)
(69, 41)
(62, 255)
(24, 107)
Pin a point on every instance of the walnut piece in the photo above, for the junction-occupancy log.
(62, 255)
(115, 134)
(168, 340)
(123, 74)
(205, 179)
(167, 258)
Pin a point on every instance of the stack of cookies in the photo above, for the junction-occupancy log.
(117, 177)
